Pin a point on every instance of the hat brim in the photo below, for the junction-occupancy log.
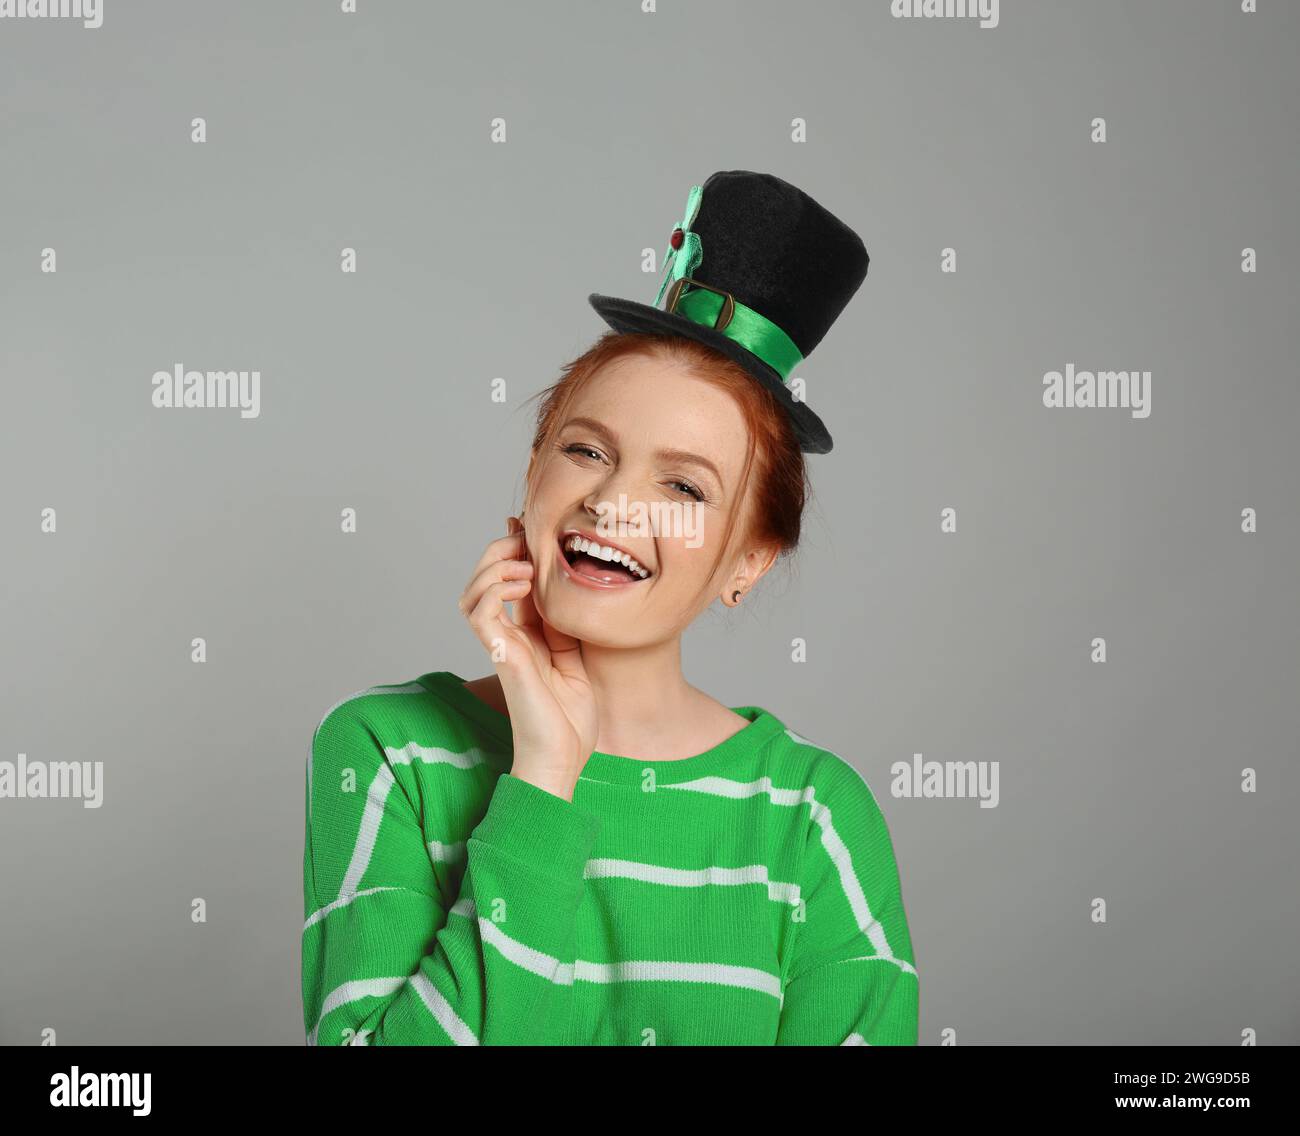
(628, 315)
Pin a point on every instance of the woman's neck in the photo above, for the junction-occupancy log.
(645, 706)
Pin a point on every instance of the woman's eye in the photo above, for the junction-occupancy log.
(683, 486)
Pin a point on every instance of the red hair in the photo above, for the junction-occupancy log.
(774, 481)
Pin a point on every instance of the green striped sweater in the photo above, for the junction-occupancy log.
(744, 896)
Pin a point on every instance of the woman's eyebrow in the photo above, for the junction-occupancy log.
(671, 454)
(591, 424)
(687, 456)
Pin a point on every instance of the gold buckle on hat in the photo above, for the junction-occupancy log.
(728, 301)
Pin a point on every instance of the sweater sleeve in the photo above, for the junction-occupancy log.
(385, 960)
(852, 979)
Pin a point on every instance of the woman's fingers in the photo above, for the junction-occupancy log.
(527, 616)
(489, 621)
(495, 572)
(539, 667)
(503, 548)
(504, 575)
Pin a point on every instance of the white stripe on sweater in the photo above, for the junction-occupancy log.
(804, 741)
(434, 1002)
(843, 861)
(352, 992)
(395, 688)
(342, 901)
(371, 818)
(902, 964)
(440, 853)
(435, 755)
(644, 970)
(692, 877)
(777, 891)
(831, 840)
(564, 974)
(608, 868)
(377, 795)
(442, 1011)
(536, 962)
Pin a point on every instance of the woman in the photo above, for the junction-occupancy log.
(582, 847)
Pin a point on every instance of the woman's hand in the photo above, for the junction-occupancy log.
(552, 707)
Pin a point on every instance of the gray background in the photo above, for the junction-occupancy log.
(1119, 780)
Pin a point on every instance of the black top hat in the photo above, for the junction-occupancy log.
(760, 271)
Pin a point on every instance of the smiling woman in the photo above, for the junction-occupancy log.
(599, 448)
(582, 847)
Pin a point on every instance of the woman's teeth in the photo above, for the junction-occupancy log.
(604, 552)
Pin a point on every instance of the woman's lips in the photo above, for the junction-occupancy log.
(617, 577)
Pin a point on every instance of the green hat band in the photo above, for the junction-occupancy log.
(754, 332)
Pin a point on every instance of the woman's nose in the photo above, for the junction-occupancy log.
(619, 500)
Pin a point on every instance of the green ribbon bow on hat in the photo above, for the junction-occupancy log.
(685, 259)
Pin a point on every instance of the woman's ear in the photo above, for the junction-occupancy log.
(761, 559)
(753, 566)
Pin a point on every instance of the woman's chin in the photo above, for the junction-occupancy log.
(578, 617)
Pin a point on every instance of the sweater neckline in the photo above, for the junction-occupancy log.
(615, 768)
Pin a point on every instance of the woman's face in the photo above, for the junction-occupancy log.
(621, 456)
